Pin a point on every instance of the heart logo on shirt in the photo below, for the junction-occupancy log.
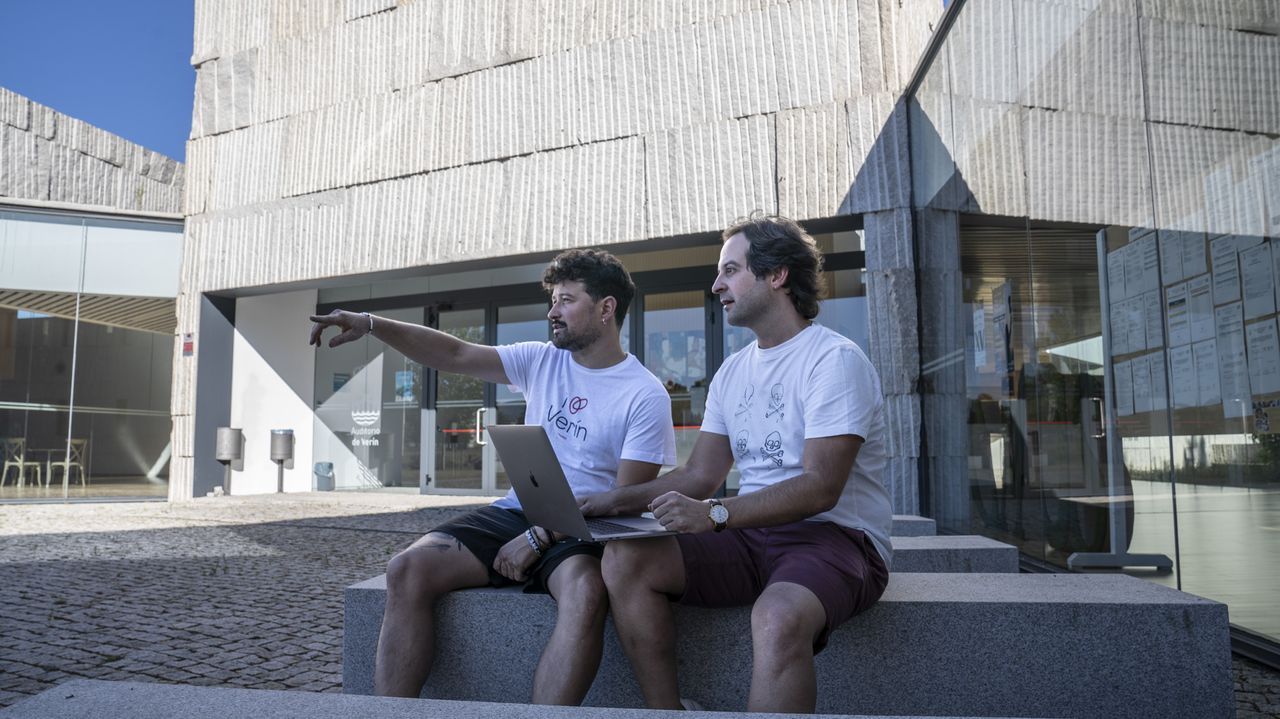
(577, 404)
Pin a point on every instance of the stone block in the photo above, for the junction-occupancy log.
(815, 169)
(356, 9)
(244, 66)
(902, 424)
(944, 415)
(749, 81)
(983, 644)
(953, 554)
(44, 121)
(878, 139)
(871, 47)
(224, 95)
(951, 500)
(183, 433)
(1261, 16)
(1087, 168)
(700, 178)
(15, 110)
(91, 697)
(902, 478)
(910, 525)
(1076, 58)
(987, 149)
(982, 43)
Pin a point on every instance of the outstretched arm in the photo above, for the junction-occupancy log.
(433, 348)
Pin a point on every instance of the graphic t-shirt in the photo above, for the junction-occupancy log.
(594, 417)
(816, 384)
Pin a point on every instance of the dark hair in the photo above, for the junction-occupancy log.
(774, 242)
(600, 273)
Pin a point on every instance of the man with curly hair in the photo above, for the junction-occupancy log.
(622, 435)
(806, 539)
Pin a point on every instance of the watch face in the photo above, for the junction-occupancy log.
(719, 514)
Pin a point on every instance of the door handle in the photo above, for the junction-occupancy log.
(480, 427)
(1102, 419)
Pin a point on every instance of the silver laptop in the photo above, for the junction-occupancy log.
(544, 492)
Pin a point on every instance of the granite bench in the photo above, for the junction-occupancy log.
(953, 553)
(137, 700)
(936, 644)
(910, 525)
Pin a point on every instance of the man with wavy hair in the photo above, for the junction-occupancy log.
(806, 539)
(622, 434)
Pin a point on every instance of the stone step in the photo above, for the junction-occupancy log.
(137, 700)
(953, 553)
(936, 644)
(909, 525)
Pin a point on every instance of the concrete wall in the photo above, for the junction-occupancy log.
(48, 156)
(357, 136)
(272, 387)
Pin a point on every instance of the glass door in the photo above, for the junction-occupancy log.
(459, 446)
(464, 460)
(515, 323)
(368, 413)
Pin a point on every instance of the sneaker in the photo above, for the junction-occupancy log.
(690, 705)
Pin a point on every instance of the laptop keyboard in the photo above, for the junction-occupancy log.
(604, 526)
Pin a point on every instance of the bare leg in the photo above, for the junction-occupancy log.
(641, 576)
(416, 579)
(784, 622)
(572, 656)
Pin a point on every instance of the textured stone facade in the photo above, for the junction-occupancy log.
(50, 157)
(360, 136)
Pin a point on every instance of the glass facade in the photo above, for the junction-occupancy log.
(1097, 201)
(368, 416)
(86, 353)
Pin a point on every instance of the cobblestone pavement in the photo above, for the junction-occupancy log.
(238, 591)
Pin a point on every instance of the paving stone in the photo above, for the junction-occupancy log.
(237, 591)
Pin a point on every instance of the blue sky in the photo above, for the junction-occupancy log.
(124, 66)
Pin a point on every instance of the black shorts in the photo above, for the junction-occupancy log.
(485, 530)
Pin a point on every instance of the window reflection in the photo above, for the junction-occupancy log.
(675, 344)
(1132, 352)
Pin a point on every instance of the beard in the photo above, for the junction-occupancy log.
(575, 341)
(745, 311)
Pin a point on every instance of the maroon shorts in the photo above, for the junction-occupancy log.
(839, 565)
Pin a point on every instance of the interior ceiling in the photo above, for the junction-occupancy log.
(1052, 266)
(149, 314)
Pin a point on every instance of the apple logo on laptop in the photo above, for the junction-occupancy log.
(532, 481)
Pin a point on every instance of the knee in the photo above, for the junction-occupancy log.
(410, 578)
(621, 565)
(779, 628)
(584, 595)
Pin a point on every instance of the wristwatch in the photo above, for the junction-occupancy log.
(718, 514)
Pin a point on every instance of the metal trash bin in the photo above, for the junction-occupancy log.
(281, 452)
(323, 481)
(229, 450)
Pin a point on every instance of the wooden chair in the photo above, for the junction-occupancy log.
(15, 457)
(75, 461)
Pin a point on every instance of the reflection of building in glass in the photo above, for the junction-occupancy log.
(87, 328)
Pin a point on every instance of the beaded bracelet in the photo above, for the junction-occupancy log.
(533, 542)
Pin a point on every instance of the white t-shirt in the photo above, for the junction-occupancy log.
(594, 417)
(816, 384)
